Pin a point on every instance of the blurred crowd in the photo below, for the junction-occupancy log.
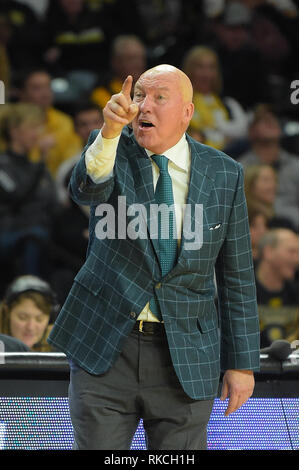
(61, 60)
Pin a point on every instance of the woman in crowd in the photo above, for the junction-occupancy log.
(260, 183)
(27, 312)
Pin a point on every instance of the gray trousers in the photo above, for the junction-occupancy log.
(105, 409)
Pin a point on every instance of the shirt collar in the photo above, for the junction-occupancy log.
(178, 154)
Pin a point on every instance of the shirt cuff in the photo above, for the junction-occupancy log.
(100, 158)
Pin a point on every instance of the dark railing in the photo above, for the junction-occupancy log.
(57, 362)
(28, 368)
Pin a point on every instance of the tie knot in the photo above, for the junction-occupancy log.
(161, 161)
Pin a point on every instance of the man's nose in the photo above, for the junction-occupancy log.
(145, 105)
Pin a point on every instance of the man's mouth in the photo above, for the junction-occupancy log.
(144, 124)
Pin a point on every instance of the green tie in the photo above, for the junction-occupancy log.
(168, 245)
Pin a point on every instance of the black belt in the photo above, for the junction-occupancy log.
(149, 327)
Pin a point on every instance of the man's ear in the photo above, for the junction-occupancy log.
(188, 112)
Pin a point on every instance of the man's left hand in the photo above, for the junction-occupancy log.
(237, 385)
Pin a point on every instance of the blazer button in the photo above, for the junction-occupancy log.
(158, 285)
(133, 314)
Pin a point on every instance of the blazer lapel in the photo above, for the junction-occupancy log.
(201, 182)
(143, 180)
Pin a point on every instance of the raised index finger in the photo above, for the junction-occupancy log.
(127, 87)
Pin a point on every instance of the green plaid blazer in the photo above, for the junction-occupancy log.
(120, 275)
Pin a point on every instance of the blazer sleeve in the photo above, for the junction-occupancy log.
(239, 322)
(82, 189)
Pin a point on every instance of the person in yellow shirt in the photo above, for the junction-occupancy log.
(5, 35)
(128, 56)
(218, 119)
(59, 134)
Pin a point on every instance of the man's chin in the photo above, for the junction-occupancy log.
(144, 141)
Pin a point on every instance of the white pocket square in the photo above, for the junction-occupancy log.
(215, 227)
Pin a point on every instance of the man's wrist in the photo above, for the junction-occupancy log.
(108, 133)
(245, 371)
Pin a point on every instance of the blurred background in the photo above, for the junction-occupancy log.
(61, 60)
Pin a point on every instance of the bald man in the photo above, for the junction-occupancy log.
(140, 327)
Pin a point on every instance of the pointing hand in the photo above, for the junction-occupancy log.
(119, 111)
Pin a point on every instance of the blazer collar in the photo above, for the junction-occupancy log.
(202, 173)
(178, 154)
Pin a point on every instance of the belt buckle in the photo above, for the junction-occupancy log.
(140, 326)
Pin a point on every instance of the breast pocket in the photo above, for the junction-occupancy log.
(212, 235)
(207, 238)
(214, 227)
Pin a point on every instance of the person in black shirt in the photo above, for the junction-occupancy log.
(24, 45)
(27, 193)
(76, 37)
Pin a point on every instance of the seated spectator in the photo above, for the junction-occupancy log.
(9, 344)
(28, 311)
(167, 27)
(265, 34)
(258, 225)
(275, 282)
(39, 7)
(87, 117)
(128, 57)
(5, 37)
(243, 69)
(69, 243)
(76, 37)
(219, 119)
(24, 47)
(279, 259)
(270, 40)
(70, 237)
(62, 141)
(265, 135)
(260, 185)
(27, 192)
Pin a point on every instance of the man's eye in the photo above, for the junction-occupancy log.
(138, 95)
